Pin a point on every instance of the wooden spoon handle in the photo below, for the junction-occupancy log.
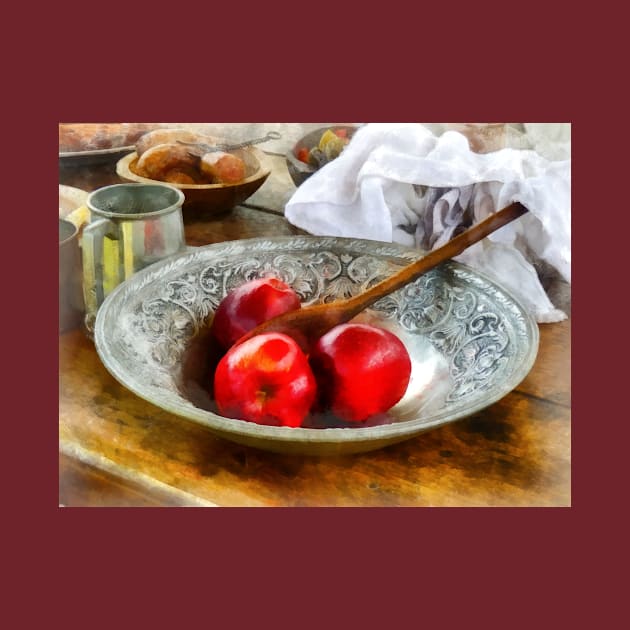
(454, 247)
(311, 322)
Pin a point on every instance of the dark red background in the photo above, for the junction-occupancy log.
(231, 568)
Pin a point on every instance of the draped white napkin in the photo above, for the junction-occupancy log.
(398, 182)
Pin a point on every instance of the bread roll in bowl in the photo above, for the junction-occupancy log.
(158, 160)
(167, 136)
(222, 168)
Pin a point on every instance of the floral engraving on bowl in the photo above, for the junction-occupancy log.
(485, 337)
(186, 304)
(457, 321)
(462, 323)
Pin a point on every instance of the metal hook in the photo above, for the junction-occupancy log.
(272, 135)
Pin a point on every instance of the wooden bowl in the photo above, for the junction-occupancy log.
(210, 198)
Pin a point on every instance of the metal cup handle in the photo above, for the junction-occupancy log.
(100, 264)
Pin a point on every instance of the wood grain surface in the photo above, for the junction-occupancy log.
(516, 452)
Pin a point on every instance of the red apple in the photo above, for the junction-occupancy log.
(250, 304)
(361, 370)
(266, 379)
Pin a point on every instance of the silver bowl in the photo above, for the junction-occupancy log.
(470, 341)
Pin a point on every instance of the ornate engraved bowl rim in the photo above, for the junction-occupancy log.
(176, 404)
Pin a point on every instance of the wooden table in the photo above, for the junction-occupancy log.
(115, 449)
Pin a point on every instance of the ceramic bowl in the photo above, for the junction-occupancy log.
(470, 341)
(210, 198)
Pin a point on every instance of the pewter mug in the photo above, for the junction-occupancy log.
(70, 295)
(131, 227)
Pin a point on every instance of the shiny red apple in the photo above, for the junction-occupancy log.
(266, 379)
(361, 370)
(250, 304)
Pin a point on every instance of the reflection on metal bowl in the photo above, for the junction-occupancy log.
(470, 341)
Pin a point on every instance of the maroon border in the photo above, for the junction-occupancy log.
(507, 567)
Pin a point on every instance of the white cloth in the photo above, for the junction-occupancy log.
(400, 183)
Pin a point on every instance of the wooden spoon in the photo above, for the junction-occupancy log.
(307, 324)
